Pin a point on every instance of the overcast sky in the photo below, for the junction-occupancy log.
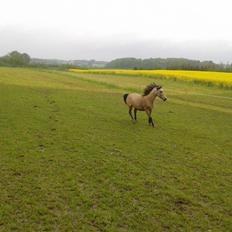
(108, 29)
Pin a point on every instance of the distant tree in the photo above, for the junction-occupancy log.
(18, 59)
(26, 58)
(15, 58)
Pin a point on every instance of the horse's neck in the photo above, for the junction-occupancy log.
(151, 96)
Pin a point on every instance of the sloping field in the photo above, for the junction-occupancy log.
(71, 159)
(210, 78)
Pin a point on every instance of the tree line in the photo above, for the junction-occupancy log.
(168, 64)
(17, 59)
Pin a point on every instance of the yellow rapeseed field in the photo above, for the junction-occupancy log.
(216, 78)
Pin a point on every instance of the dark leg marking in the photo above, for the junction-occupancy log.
(152, 123)
(135, 114)
(130, 109)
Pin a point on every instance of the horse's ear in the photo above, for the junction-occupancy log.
(159, 87)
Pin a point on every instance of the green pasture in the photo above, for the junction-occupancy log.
(72, 160)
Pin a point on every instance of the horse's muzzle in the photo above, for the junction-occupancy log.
(165, 99)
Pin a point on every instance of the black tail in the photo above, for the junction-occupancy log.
(125, 97)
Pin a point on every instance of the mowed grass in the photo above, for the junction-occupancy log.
(220, 79)
(71, 159)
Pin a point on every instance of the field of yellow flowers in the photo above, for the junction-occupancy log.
(210, 78)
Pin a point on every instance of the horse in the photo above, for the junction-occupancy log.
(144, 102)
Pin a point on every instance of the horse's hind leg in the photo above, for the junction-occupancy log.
(135, 114)
(130, 109)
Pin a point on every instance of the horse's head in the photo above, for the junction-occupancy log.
(155, 90)
(160, 93)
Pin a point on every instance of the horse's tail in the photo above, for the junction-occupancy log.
(125, 97)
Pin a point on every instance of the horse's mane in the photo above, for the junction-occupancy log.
(149, 88)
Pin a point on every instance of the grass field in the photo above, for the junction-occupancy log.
(220, 79)
(71, 159)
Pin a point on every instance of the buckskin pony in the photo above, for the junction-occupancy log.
(144, 102)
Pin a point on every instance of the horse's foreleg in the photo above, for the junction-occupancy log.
(150, 120)
(135, 114)
(130, 109)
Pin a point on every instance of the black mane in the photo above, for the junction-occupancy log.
(149, 88)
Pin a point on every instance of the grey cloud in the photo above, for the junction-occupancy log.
(48, 44)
